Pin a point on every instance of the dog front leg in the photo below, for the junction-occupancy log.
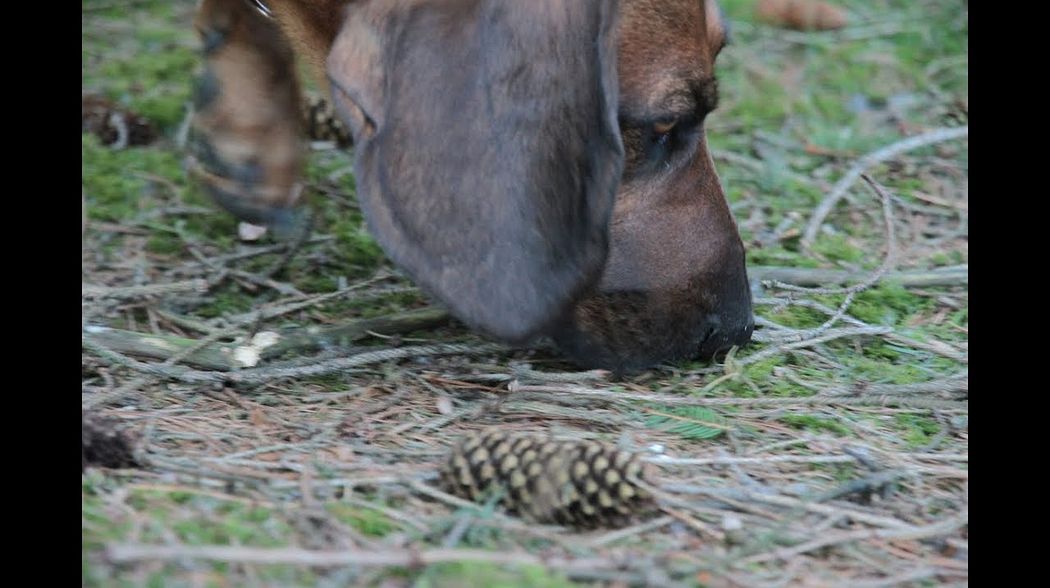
(246, 147)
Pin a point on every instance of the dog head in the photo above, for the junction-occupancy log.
(541, 168)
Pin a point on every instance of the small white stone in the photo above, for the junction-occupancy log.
(246, 356)
(250, 232)
(732, 523)
(656, 448)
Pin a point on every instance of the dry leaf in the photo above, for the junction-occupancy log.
(801, 15)
(258, 418)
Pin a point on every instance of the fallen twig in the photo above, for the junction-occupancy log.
(923, 532)
(958, 383)
(946, 276)
(854, 173)
(669, 399)
(125, 553)
(727, 460)
(619, 534)
(160, 347)
(303, 340)
(896, 580)
(91, 291)
(208, 354)
(264, 375)
(869, 281)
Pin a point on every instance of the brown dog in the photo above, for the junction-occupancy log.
(539, 166)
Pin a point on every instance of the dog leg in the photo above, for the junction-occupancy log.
(246, 146)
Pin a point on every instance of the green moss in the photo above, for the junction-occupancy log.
(454, 575)
(889, 304)
(918, 430)
(154, 82)
(227, 301)
(839, 248)
(814, 423)
(116, 181)
(368, 521)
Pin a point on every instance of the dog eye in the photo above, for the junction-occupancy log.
(669, 137)
(662, 132)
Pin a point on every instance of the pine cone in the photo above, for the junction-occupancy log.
(321, 123)
(580, 484)
(102, 444)
(114, 124)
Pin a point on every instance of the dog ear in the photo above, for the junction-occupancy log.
(488, 152)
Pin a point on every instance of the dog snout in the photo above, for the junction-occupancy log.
(630, 331)
(725, 330)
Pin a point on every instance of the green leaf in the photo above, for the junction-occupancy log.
(689, 422)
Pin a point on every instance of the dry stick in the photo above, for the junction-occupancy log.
(281, 287)
(692, 461)
(671, 461)
(617, 535)
(933, 346)
(886, 153)
(201, 344)
(126, 553)
(696, 524)
(792, 503)
(263, 375)
(887, 263)
(270, 312)
(255, 252)
(829, 335)
(173, 373)
(113, 395)
(891, 581)
(302, 340)
(91, 291)
(609, 396)
(783, 334)
(388, 512)
(909, 533)
(205, 354)
(407, 321)
(548, 532)
(956, 383)
(852, 291)
(947, 276)
(185, 322)
(295, 244)
(223, 272)
(158, 347)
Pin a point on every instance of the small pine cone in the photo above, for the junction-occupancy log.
(102, 444)
(578, 484)
(114, 124)
(321, 123)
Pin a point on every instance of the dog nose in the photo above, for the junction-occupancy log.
(725, 331)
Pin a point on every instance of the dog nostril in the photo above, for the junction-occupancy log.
(717, 337)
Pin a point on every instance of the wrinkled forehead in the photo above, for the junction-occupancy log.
(666, 47)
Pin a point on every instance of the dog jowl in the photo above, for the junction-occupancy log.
(538, 167)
